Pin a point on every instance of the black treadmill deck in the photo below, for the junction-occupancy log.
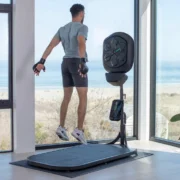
(80, 157)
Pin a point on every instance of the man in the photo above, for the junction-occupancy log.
(74, 70)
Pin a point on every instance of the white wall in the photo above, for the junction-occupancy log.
(144, 69)
(23, 77)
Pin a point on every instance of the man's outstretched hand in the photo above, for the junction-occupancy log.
(38, 69)
(39, 66)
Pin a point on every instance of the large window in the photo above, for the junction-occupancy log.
(5, 78)
(167, 70)
(102, 18)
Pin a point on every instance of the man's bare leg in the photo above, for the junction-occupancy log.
(82, 93)
(64, 105)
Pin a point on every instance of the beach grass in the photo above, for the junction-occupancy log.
(97, 124)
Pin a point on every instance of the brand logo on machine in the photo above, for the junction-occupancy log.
(115, 51)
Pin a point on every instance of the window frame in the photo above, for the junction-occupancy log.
(7, 9)
(8, 103)
(153, 79)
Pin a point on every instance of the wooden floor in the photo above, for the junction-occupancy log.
(164, 164)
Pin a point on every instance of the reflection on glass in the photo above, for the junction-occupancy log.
(168, 70)
(49, 91)
(4, 56)
(5, 129)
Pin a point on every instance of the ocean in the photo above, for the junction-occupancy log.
(166, 73)
(96, 76)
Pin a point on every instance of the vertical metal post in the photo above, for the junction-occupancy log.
(136, 64)
(153, 70)
(122, 117)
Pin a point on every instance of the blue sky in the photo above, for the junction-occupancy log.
(100, 18)
(5, 1)
(103, 17)
(168, 30)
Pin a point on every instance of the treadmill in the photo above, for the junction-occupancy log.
(118, 56)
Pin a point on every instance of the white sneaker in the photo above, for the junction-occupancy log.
(79, 135)
(61, 132)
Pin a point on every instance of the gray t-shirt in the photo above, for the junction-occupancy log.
(68, 35)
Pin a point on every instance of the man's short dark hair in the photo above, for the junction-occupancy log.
(76, 9)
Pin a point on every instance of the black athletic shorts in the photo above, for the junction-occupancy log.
(70, 74)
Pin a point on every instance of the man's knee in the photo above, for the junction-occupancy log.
(66, 99)
(83, 97)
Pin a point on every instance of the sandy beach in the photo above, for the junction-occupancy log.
(97, 124)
